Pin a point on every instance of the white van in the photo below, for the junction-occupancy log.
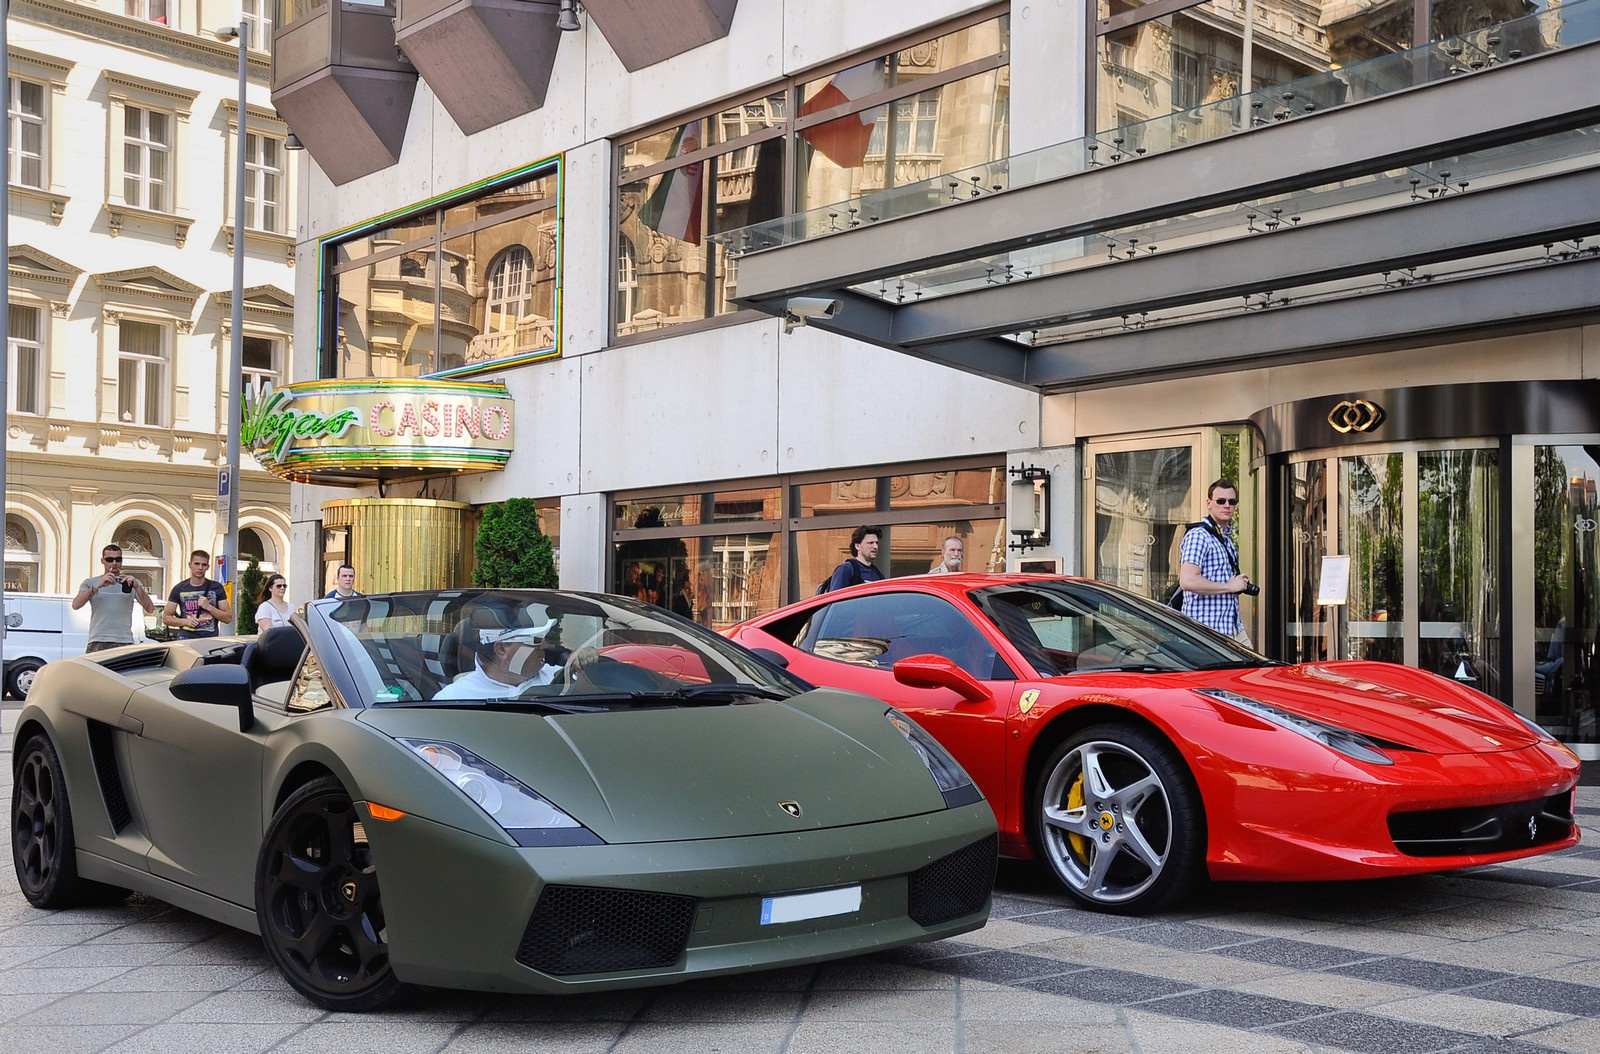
(40, 627)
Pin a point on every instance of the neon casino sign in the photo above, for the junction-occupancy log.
(346, 431)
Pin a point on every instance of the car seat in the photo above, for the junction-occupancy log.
(273, 656)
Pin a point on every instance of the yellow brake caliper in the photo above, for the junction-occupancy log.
(1080, 844)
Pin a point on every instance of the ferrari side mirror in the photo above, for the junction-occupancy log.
(936, 671)
(218, 685)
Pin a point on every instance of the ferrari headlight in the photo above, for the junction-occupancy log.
(525, 815)
(1339, 740)
(954, 783)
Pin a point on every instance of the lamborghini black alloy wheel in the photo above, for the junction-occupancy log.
(42, 845)
(318, 902)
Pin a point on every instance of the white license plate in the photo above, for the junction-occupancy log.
(802, 906)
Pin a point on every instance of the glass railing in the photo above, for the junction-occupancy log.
(1370, 192)
(1552, 29)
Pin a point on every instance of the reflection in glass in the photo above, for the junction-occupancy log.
(1141, 509)
(1308, 637)
(1371, 516)
(1197, 56)
(1458, 566)
(837, 496)
(411, 304)
(716, 580)
(1565, 589)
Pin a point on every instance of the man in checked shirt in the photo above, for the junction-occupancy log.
(1209, 572)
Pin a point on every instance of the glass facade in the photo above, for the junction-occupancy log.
(933, 106)
(723, 555)
(462, 286)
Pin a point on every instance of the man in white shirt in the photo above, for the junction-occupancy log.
(507, 660)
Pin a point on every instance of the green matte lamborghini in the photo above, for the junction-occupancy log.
(513, 791)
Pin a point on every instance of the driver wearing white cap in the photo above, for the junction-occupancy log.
(508, 659)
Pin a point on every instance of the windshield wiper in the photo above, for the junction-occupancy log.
(1131, 667)
(1240, 664)
(526, 705)
(713, 692)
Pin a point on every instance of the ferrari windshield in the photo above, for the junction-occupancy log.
(555, 651)
(1072, 626)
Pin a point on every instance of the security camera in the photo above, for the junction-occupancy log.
(802, 309)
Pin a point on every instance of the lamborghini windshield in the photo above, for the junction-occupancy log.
(1067, 626)
(544, 650)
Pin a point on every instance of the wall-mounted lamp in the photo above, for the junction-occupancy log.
(293, 143)
(1028, 510)
(567, 17)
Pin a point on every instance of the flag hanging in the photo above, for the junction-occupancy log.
(673, 209)
(844, 141)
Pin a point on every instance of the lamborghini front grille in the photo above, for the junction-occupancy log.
(953, 886)
(585, 929)
(1483, 829)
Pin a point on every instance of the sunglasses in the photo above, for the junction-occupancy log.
(1226, 501)
(280, 585)
(112, 559)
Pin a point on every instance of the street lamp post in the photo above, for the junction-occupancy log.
(230, 545)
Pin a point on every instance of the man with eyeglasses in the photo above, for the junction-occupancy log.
(110, 598)
(1209, 571)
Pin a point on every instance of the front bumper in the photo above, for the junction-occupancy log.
(466, 912)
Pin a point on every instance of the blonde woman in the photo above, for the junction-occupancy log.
(274, 609)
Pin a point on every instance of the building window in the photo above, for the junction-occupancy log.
(26, 373)
(451, 289)
(263, 183)
(142, 557)
(141, 373)
(26, 116)
(721, 556)
(23, 558)
(1196, 57)
(261, 367)
(148, 10)
(146, 158)
(510, 290)
(906, 113)
(257, 14)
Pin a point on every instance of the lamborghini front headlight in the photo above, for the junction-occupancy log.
(526, 816)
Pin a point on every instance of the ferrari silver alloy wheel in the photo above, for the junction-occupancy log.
(1119, 821)
(318, 903)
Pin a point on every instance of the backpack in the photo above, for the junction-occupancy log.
(1175, 599)
(855, 574)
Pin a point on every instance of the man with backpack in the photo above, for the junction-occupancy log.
(859, 567)
(1209, 571)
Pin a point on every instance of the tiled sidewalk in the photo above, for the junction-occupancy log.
(1504, 959)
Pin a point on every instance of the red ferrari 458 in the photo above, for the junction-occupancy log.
(1137, 753)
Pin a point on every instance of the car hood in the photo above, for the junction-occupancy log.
(697, 772)
(1384, 701)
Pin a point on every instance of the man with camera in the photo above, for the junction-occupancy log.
(110, 598)
(1209, 572)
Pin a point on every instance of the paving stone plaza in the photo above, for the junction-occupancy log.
(1506, 959)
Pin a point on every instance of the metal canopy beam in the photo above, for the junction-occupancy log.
(1526, 300)
(1416, 234)
(1537, 95)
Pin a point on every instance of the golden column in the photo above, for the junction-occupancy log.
(398, 544)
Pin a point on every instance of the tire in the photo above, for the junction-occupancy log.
(42, 845)
(318, 903)
(19, 677)
(1136, 845)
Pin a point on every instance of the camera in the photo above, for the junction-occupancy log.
(127, 584)
(1251, 590)
(802, 309)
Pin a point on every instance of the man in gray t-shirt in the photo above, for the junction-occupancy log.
(110, 598)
